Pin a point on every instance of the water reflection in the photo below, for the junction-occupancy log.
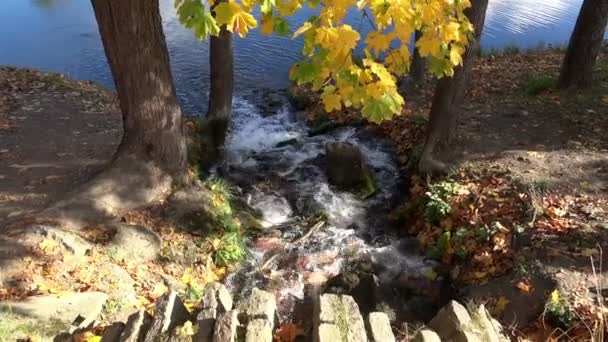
(61, 35)
(50, 4)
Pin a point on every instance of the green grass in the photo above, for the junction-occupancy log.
(538, 84)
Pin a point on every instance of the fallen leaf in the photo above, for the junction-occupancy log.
(288, 332)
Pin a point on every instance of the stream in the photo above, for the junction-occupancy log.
(279, 170)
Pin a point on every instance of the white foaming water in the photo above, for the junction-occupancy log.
(290, 182)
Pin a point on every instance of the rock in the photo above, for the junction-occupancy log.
(136, 327)
(346, 169)
(120, 287)
(70, 241)
(450, 319)
(225, 327)
(216, 300)
(299, 97)
(337, 315)
(259, 330)
(136, 243)
(170, 312)
(65, 308)
(189, 208)
(379, 327)
(260, 304)
(288, 142)
(206, 322)
(113, 332)
(486, 327)
(426, 335)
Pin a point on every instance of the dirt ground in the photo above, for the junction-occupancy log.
(54, 135)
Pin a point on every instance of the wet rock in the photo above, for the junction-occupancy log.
(338, 315)
(136, 242)
(426, 335)
(347, 169)
(225, 327)
(269, 101)
(85, 306)
(206, 321)
(379, 327)
(70, 241)
(136, 327)
(170, 312)
(288, 142)
(259, 330)
(450, 319)
(299, 97)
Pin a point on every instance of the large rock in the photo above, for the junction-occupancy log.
(225, 327)
(379, 327)
(337, 315)
(347, 169)
(258, 313)
(136, 242)
(426, 335)
(450, 319)
(84, 307)
(69, 241)
(136, 327)
(454, 323)
(170, 312)
(216, 300)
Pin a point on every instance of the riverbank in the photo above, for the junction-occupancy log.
(520, 221)
(519, 218)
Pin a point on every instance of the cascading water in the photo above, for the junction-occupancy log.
(279, 170)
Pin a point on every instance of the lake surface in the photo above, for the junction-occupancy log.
(62, 36)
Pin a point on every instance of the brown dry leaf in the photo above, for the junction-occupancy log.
(524, 286)
(288, 332)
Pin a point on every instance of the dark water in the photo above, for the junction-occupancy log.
(61, 35)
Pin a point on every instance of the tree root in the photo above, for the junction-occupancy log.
(129, 182)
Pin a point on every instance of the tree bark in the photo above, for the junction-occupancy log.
(134, 42)
(152, 154)
(585, 44)
(418, 68)
(449, 95)
(220, 96)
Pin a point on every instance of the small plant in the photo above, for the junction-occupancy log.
(557, 311)
(438, 205)
(230, 250)
(538, 84)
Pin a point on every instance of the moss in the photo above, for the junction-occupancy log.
(368, 186)
(538, 84)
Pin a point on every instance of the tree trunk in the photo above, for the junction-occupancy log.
(585, 44)
(418, 68)
(152, 154)
(220, 96)
(449, 95)
(134, 42)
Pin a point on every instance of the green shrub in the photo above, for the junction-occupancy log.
(230, 250)
(511, 50)
(439, 196)
(557, 311)
(539, 83)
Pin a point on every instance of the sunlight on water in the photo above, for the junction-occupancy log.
(524, 15)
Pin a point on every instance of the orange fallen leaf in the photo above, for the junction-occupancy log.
(288, 332)
(524, 286)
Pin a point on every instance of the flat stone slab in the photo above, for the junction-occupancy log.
(338, 312)
(136, 242)
(379, 327)
(66, 308)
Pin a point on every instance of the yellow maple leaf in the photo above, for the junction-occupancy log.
(186, 330)
(456, 55)
(428, 45)
(235, 18)
(331, 101)
(303, 29)
(450, 32)
(378, 42)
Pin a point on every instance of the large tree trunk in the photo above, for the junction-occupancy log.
(585, 44)
(220, 96)
(418, 68)
(449, 95)
(152, 154)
